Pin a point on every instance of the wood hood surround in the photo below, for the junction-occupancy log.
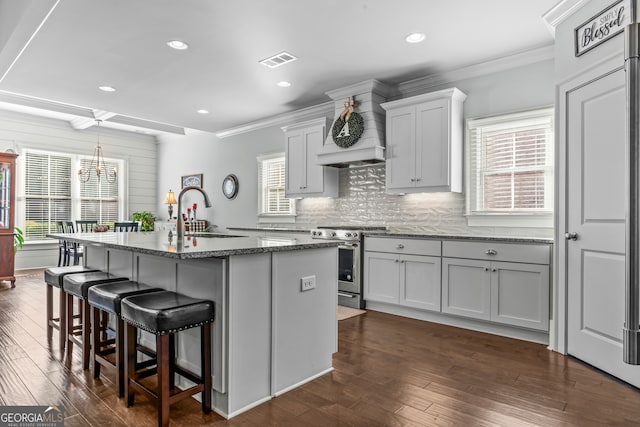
(370, 148)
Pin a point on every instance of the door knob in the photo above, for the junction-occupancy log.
(571, 236)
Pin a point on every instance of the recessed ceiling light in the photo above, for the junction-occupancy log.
(283, 84)
(107, 88)
(178, 45)
(415, 37)
(203, 111)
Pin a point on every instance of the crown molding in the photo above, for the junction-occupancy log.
(325, 109)
(561, 11)
(423, 84)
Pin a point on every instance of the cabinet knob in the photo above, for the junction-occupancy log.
(402, 262)
(418, 179)
(413, 180)
(486, 269)
(397, 261)
(400, 246)
(491, 252)
(494, 270)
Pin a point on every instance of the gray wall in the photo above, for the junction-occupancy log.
(19, 131)
(512, 90)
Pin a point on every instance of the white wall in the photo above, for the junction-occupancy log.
(520, 88)
(20, 131)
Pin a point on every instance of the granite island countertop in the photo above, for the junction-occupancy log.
(196, 245)
(506, 239)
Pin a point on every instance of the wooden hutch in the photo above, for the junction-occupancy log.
(7, 216)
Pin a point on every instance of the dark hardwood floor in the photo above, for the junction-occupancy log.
(390, 371)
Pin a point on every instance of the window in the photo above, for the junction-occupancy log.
(54, 193)
(510, 170)
(272, 203)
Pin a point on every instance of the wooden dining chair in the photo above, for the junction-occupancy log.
(125, 226)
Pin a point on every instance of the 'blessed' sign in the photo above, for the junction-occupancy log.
(601, 27)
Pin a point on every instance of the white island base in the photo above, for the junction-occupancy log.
(268, 337)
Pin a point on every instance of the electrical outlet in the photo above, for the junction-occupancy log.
(308, 283)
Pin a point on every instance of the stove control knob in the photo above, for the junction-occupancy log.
(333, 234)
(355, 234)
(347, 234)
(313, 233)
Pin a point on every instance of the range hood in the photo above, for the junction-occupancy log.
(370, 147)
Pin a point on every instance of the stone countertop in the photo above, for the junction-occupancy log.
(458, 237)
(286, 229)
(196, 245)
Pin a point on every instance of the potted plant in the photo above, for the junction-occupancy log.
(18, 239)
(146, 220)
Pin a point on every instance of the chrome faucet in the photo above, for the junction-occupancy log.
(180, 224)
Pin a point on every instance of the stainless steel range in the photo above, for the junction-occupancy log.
(349, 260)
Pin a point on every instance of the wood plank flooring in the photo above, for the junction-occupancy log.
(390, 371)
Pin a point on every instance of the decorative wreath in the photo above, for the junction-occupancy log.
(355, 124)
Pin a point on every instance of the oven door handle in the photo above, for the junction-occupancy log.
(342, 294)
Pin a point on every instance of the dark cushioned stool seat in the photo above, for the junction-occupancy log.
(107, 297)
(163, 314)
(166, 312)
(55, 275)
(53, 278)
(79, 284)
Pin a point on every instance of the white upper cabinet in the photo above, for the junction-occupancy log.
(304, 178)
(424, 143)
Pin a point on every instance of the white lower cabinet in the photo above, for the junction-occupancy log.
(505, 284)
(399, 278)
(510, 293)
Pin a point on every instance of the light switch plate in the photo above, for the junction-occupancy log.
(307, 283)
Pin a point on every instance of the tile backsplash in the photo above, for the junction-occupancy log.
(362, 201)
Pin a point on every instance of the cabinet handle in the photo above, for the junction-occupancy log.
(400, 246)
(491, 252)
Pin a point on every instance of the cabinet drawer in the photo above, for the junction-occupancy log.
(403, 246)
(498, 251)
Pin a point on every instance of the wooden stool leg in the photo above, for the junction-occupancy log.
(95, 340)
(162, 352)
(205, 339)
(62, 313)
(86, 334)
(129, 361)
(69, 330)
(120, 357)
(172, 361)
(49, 312)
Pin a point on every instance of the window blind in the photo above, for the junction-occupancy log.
(99, 199)
(47, 193)
(511, 163)
(271, 172)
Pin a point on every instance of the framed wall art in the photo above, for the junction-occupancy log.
(194, 180)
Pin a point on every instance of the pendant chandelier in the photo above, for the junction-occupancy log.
(98, 165)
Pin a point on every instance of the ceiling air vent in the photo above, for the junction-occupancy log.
(278, 60)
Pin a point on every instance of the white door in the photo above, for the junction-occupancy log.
(432, 144)
(466, 288)
(596, 212)
(420, 281)
(381, 275)
(401, 143)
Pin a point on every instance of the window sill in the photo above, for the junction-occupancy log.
(523, 220)
(276, 219)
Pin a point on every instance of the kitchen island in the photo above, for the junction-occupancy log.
(269, 336)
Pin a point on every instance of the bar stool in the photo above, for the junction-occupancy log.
(77, 285)
(106, 298)
(163, 314)
(53, 278)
